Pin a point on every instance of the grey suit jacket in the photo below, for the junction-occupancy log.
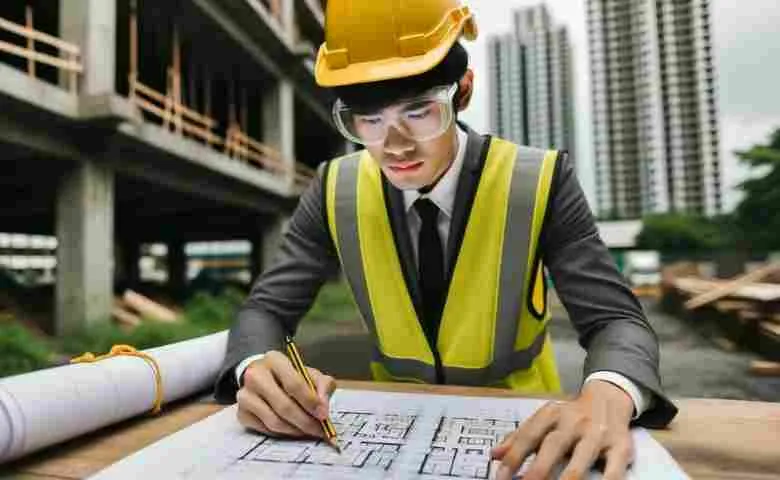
(607, 316)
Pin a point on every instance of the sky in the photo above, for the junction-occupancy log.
(747, 63)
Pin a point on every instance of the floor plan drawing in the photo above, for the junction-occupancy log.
(383, 436)
(366, 440)
(461, 446)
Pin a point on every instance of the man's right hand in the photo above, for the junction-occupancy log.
(275, 399)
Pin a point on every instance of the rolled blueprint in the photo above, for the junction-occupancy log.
(49, 406)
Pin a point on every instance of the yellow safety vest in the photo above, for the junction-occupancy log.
(493, 329)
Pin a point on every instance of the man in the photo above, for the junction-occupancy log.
(444, 236)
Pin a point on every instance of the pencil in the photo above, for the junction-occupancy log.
(297, 361)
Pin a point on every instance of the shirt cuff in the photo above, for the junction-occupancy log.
(242, 366)
(639, 395)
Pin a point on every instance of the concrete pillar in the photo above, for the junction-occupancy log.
(177, 268)
(91, 24)
(85, 231)
(288, 21)
(279, 123)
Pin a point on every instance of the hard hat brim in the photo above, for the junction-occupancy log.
(387, 69)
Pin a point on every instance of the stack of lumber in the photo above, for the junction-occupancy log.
(749, 305)
(131, 308)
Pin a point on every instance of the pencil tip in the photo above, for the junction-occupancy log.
(333, 443)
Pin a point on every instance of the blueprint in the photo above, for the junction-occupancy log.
(382, 436)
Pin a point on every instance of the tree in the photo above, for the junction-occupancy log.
(674, 232)
(758, 215)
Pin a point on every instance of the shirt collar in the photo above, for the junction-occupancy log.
(443, 194)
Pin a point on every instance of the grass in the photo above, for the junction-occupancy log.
(20, 350)
(205, 313)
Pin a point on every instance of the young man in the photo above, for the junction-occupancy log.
(444, 236)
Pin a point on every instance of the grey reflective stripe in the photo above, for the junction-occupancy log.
(512, 289)
(497, 371)
(402, 368)
(348, 236)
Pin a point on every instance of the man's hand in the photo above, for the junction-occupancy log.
(276, 400)
(594, 425)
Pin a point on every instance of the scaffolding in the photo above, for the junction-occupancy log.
(175, 116)
(67, 61)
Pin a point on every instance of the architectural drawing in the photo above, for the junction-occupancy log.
(367, 441)
(384, 436)
(461, 447)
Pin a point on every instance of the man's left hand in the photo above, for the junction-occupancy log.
(594, 425)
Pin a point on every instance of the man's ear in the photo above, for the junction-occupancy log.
(465, 89)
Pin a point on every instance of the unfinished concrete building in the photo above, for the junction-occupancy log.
(125, 122)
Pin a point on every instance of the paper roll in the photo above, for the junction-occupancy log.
(49, 406)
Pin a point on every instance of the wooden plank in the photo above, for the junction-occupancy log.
(203, 134)
(728, 288)
(40, 57)
(124, 317)
(148, 308)
(770, 328)
(177, 108)
(764, 368)
(28, 14)
(726, 306)
(39, 36)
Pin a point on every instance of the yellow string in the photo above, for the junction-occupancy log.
(127, 350)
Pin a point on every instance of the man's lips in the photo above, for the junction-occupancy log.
(404, 166)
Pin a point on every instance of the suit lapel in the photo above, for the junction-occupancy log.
(473, 162)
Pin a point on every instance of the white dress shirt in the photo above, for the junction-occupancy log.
(443, 195)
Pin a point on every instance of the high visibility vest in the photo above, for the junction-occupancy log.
(493, 329)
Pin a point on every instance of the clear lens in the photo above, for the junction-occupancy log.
(421, 118)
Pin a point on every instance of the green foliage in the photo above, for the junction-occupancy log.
(214, 312)
(758, 215)
(101, 338)
(20, 350)
(683, 233)
(334, 302)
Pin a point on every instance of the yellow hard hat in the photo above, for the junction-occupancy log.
(374, 40)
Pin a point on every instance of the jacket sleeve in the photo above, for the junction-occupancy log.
(285, 290)
(608, 318)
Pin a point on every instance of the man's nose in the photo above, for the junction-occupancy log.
(396, 142)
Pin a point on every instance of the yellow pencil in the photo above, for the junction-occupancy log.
(297, 361)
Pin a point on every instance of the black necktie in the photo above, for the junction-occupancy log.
(431, 268)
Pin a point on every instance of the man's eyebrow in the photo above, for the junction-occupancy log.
(415, 104)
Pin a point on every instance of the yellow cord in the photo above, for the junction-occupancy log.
(127, 350)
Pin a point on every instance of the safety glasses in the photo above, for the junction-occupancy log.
(419, 118)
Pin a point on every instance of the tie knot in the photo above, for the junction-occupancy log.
(427, 210)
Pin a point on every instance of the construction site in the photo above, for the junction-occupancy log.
(133, 126)
(152, 149)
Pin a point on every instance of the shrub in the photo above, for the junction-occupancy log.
(20, 350)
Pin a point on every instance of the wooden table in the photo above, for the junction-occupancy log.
(711, 439)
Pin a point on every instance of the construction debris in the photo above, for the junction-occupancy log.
(762, 368)
(148, 308)
(747, 307)
(125, 317)
(733, 286)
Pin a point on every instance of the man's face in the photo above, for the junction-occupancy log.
(411, 165)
